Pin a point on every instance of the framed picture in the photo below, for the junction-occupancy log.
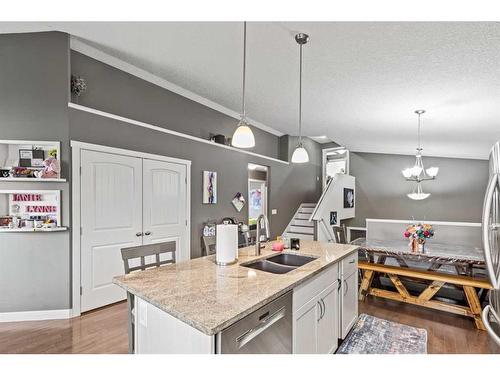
(209, 187)
(238, 202)
(31, 158)
(333, 217)
(348, 198)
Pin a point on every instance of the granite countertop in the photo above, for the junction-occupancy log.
(210, 298)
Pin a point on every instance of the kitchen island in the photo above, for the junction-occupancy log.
(183, 307)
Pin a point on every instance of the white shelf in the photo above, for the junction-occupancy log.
(33, 230)
(32, 179)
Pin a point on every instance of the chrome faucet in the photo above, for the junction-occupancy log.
(262, 219)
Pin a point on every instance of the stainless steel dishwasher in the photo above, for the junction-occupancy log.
(265, 331)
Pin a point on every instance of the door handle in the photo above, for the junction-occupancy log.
(352, 261)
(138, 234)
(346, 288)
(320, 310)
(324, 308)
(488, 200)
(147, 233)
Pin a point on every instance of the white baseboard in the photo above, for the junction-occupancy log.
(21, 316)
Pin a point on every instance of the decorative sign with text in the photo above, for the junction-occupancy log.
(32, 204)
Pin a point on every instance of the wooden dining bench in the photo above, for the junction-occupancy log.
(437, 280)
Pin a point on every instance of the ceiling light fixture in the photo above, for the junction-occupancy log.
(300, 154)
(243, 136)
(418, 173)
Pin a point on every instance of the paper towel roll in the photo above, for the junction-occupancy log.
(226, 244)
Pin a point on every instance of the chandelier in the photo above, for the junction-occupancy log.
(418, 173)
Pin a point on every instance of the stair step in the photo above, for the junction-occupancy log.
(308, 205)
(300, 236)
(302, 230)
(303, 223)
(300, 216)
(306, 210)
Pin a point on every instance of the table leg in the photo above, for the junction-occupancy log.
(365, 284)
(475, 305)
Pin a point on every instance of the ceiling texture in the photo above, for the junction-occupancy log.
(362, 80)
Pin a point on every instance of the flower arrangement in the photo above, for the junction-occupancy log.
(418, 233)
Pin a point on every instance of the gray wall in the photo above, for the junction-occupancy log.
(289, 185)
(456, 194)
(34, 81)
(120, 93)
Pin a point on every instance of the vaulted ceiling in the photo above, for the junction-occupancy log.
(362, 80)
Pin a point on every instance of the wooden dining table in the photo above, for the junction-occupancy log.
(436, 265)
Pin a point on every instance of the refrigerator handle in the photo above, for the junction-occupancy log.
(486, 230)
(486, 321)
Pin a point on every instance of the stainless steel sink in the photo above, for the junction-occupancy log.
(271, 267)
(280, 264)
(293, 260)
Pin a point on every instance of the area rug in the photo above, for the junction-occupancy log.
(371, 335)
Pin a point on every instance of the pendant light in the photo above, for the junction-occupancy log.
(243, 135)
(300, 154)
(418, 173)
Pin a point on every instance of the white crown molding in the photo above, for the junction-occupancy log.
(23, 316)
(79, 46)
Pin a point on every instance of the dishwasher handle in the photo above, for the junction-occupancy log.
(252, 333)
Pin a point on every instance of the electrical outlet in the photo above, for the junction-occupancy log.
(274, 211)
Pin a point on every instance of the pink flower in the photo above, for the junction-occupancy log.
(407, 234)
(426, 233)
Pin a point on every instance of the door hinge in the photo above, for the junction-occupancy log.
(81, 290)
(186, 180)
(81, 231)
(80, 171)
(186, 223)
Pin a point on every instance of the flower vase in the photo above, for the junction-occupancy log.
(413, 245)
(421, 246)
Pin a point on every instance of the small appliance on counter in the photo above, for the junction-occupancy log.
(294, 243)
(226, 244)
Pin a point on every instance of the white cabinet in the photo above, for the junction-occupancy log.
(349, 294)
(316, 317)
(305, 328)
(328, 323)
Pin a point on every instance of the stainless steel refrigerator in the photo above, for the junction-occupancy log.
(491, 242)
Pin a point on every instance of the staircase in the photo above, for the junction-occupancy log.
(300, 226)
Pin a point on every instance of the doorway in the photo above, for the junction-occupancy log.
(258, 177)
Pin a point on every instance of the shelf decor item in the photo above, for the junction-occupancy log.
(418, 234)
(238, 201)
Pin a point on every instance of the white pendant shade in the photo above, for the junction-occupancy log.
(243, 136)
(418, 196)
(407, 172)
(300, 155)
(432, 171)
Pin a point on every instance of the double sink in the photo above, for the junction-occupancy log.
(280, 264)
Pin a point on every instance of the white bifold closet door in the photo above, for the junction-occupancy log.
(126, 201)
(111, 219)
(165, 216)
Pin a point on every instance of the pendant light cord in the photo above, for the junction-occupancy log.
(300, 95)
(243, 108)
(419, 131)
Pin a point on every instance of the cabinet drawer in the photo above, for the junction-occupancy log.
(350, 264)
(312, 287)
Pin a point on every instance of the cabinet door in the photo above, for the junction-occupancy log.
(305, 334)
(328, 320)
(349, 303)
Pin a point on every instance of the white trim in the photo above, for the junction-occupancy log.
(23, 316)
(323, 161)
(33, 230)
(451, 223)
(83, 48)
(31, 179)
(167, 131)
(76, 148)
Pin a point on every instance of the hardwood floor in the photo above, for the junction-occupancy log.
(105, 330)
(102, 331)
(446, 333)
